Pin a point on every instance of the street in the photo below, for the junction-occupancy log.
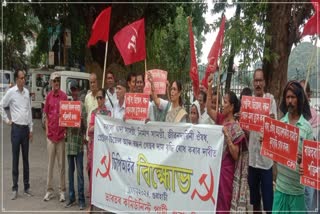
(38, 176)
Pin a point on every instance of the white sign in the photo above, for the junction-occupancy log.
(155, 167)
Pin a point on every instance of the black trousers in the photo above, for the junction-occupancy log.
(20, 137)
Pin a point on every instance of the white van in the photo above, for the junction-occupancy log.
(38, 82)
(6, 81)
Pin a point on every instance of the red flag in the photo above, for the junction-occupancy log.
(215, 53)
(100, 28)
(313, 24)
(130, 41)
(193, 67)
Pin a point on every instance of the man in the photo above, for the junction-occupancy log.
(202, 99)
(18, 100)
(74, 150)
(111, 96)
(260, 175)
(131, 82)
(289, 195)
(139, 89)
(55, 137)
(90, 104)
(119, 107)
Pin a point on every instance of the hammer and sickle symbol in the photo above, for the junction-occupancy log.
(107, 167)
(209, 194)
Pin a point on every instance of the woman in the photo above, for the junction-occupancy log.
(195, 113)
(175, 111)
(234, 140)
(101, 109)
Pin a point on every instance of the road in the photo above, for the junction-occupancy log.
(38, 176)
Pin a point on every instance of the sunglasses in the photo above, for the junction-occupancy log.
(99, 97)
(56, 80)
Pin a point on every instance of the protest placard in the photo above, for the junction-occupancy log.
(280, 142)
(252, 113)
(70, 114)
(137, 106)
(159, 81)
(311, 164)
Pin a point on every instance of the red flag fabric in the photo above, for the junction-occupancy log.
(215, 53)
(193, 67)
(100, 27)
(130, 41)
(313, 24)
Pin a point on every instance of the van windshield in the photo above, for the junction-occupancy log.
(5, 78)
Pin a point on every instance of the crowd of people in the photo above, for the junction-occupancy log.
(248, 180)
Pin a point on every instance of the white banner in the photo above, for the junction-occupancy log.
(155, 167)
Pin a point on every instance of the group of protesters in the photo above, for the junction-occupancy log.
(267, 185)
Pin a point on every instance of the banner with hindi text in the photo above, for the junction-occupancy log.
(311, 164)
(280, 142)
(155, 167)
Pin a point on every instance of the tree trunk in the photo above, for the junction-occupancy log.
(277, 49)
(281, 34)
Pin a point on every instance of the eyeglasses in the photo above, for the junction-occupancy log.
(56, 80)
(99, 97)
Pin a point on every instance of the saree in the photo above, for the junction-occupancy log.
(176, 115)
(228, 165)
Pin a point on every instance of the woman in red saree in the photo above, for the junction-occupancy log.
(234, 139)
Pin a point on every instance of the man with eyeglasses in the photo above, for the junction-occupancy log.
(260, 176)
(17, 99)
(119, 107)
(55, 137)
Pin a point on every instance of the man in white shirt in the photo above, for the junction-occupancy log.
(119, 107)
(260, 167)
(17, 99)
(111, 96)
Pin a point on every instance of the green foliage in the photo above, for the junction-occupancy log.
(19, 25)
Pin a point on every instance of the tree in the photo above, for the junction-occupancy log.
(19, 26)
(279, 41)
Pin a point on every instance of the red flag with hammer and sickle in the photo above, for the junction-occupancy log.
(215, 53)
(193, 66)
(313, 24)
(130, 42)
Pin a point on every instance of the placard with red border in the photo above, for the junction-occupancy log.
(280, 142)
(311, 164)
(253, 110)
(70, 114)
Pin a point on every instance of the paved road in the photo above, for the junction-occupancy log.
(38, 175)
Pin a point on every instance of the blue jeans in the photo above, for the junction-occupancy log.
(20, 138)
(78, 160)
(311, 197)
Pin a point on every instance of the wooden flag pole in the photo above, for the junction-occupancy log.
(310, 64)
(145, 65)
(218, 89)
(105, 64)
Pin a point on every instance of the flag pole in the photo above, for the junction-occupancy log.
(105, 63)
(145, 65)
(310, 63)
(218, 89)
